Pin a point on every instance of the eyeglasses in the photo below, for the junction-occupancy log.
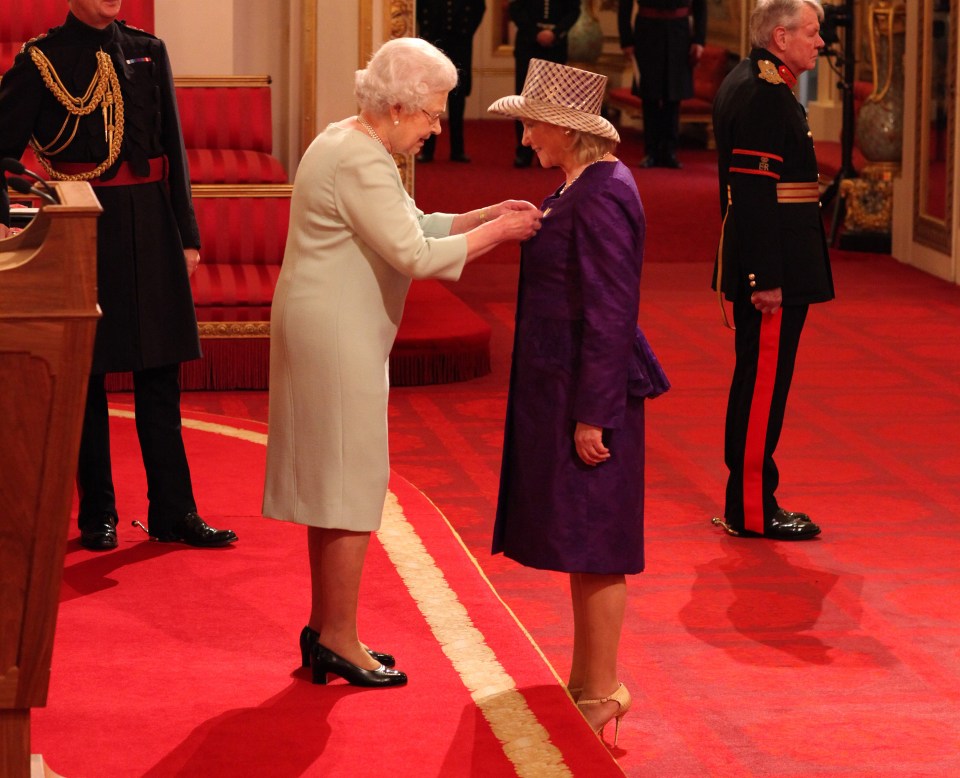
(433, 118)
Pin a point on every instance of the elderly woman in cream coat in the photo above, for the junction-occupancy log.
(356, 239)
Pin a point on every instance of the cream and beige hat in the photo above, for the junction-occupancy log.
(561, 95)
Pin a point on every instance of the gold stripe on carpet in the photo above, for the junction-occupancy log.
(524, 740)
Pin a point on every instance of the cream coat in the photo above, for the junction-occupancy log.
(355, 241)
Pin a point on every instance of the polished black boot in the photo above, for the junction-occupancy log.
(309, 638)
(324, 663)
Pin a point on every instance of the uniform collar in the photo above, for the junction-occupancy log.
(86, 33)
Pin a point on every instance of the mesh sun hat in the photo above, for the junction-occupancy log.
(561, 95)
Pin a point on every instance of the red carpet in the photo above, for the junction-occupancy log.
(171, 661)
(839, 657)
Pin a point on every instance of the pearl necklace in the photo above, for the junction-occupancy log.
(370, 131)
(573, 180)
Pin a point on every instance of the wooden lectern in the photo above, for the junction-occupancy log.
(48, 316)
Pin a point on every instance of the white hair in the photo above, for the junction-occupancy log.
(404, 72)
(770, 14)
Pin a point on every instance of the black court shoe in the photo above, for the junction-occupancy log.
(309, 638)
(324, 663)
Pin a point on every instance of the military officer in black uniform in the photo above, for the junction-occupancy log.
(542, 27)
(450, 26)
(95, 99)
(666, 37)
(772, 262)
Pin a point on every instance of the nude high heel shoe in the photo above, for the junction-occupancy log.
(622, 697)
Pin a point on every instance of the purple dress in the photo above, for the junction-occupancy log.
(579, 356)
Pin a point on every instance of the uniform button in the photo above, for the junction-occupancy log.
(752, 276)
(753, 284)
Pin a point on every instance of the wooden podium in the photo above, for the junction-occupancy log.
(48, 316)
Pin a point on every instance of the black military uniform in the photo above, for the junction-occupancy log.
(130, 148)
(662, 33)
(450, 26)
(773, 238)
(531, 17)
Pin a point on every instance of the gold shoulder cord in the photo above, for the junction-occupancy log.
(103, 92)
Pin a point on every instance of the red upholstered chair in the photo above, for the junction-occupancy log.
(228, 129)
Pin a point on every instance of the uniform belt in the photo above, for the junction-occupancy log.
(125, 175)
(661, 13)
(793, 192)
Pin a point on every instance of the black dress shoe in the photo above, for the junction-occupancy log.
(671, 161)
(423, 159)
(796, 515)
(194, 531)
(648, 162)
(783, 525)
(461, 157)
(310, 637)
(99, 534)
(324, 663)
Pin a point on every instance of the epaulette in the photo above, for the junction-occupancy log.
(131, 28)
(776, 75)
(32, 41)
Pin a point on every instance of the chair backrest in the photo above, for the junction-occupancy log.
(226, 112)
(243, 224)
(20, 21)
(714, 65)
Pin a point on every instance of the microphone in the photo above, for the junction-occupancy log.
(23, 187)
(16, 167)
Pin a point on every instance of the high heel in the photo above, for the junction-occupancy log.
(309, 638)
(324, 663)
(622, 697)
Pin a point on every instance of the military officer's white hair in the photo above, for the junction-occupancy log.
(770, 14)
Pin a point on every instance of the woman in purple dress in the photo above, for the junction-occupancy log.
(571, 485)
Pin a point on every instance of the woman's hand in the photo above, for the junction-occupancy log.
(491, 212)
(518, 224)
(589, 443)
(511, 220)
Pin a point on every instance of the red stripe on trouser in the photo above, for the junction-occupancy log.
(754, 450)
